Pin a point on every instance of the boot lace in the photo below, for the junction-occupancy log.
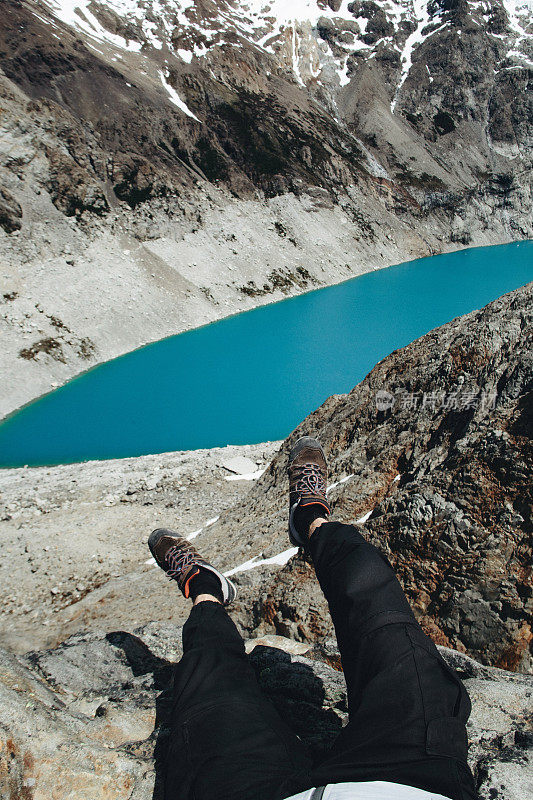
(178, 562)
(310, 480)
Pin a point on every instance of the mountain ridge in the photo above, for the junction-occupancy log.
(124, 219)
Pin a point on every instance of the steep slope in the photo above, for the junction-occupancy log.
(432, 455)
(165, 163)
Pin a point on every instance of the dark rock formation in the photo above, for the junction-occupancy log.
(435, 447)
(72, 188)
(10, 212)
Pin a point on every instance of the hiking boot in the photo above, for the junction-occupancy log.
(308, 475)
(182, 562)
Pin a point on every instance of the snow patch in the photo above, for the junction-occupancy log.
(280, 560)
(295, 60)
(517, 54)
(77, 14)
(344, 78)
(176, 99)
(338, 483)
(185, 55)
(423, 19)
(247, 476)
(518, 11)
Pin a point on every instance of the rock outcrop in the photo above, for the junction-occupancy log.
(89, 719)
(431, 454)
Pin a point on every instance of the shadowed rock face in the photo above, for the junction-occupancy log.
(436, 444)
(10, 212)
(90, 718)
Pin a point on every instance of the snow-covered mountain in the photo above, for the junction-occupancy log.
(309, 38)
(320, 43)
(164, 163)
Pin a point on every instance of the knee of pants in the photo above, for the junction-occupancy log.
(204, 676)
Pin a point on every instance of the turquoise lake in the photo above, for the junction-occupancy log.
(254, 376)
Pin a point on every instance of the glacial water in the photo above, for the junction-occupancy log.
(254, 376)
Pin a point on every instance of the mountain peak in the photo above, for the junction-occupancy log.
(316, 40)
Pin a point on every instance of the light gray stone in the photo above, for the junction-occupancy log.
(239, 465)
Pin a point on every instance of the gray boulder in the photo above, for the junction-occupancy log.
(89, 719)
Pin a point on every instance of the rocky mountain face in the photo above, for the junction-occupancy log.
(431, 454)
(165, 163)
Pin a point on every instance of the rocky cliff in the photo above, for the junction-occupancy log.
(165, 163)
(431, 454)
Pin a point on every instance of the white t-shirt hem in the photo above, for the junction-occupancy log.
(370, 790)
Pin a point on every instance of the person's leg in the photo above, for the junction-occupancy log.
(407, 708)
(227, 741)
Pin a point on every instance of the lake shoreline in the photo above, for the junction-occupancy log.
(137, 307)
(236, 313)
(197, 389)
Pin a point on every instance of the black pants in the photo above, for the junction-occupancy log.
(407, 708)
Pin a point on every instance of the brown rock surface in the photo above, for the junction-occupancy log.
(445, 472)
